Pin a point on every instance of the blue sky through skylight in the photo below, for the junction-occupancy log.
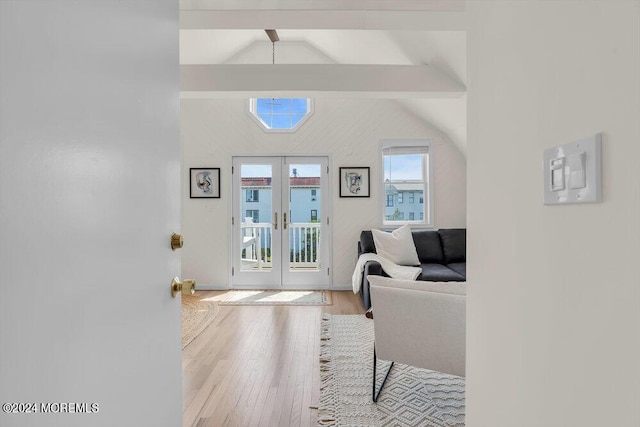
(281, 113)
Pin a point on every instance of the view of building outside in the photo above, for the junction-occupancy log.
(404, 202)
(304, 210)
(404, 186)
(304, 199)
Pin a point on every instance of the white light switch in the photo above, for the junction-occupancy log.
(556, 168)
(577, 176)
(572, 172)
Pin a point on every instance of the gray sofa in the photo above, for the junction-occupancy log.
(442, 254)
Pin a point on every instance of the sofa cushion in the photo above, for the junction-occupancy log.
(459, 267)
(428, 246)
(454, 244)
(439, 273)
(397, 246)
(458, 288)
(366, 242)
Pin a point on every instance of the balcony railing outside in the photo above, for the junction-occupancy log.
(304, 245)
(256, 245)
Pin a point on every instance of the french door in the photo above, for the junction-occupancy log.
(280, 224)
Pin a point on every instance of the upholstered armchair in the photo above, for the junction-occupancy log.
(421, 324)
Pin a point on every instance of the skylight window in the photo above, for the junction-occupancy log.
(280, 114)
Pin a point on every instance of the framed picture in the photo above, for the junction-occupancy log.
(354, 182)
(204, 183)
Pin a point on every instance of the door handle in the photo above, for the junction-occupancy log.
(176, 241)
(275, 224)
(284, 220)
(187, 287)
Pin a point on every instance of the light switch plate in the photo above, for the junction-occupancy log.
(573, 172)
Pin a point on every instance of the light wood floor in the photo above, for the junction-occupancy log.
(258, 365)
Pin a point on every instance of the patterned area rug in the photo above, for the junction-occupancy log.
(411, 396)
(196, 315)
(276, 298)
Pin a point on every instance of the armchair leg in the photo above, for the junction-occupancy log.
(375, 395)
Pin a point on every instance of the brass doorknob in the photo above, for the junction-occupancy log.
(176, 241)
(187, 287)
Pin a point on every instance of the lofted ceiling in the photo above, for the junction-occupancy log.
(390, 44)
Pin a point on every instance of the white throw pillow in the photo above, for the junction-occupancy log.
(397, 247)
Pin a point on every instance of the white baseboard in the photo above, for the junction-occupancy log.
(342, 288)
(209, 287)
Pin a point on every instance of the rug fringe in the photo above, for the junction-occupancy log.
(327, 405)
(346, 355)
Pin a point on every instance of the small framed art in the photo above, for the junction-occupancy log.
(204, 183)
(354, 182)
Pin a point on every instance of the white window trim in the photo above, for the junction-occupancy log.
(252, 113)
(427, 173)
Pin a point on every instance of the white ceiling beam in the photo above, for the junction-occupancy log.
(436, 15)
(410, 5)
(323, 20)
(316, 81)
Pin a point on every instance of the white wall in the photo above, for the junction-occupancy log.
(554, 291)
(349, 131)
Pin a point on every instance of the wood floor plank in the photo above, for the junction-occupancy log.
(257, 365)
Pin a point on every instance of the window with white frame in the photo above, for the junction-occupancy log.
(405, 168)
(280, 114)
(254, 214)
(389, 200)
(253, 196)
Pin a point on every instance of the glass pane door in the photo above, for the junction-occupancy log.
(256, 207)
(305, 243)
(280, 226)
